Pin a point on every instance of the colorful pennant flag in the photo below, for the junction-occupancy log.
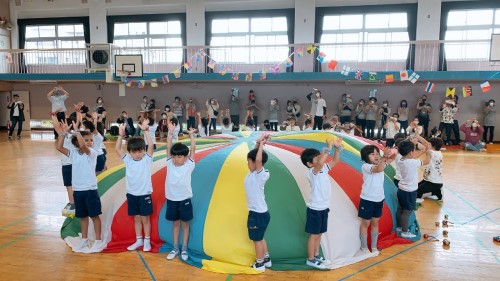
(211, 64)
(345, 70)
(223, 70)
(141, 83)
(414, 77)
(372, 93)
(165, 79)
(429, 88)
(389, 78)
(289, 62)
(358, 75)
(177, 73)
(467, 91)
(248, 77)
(372, 76)
(403, 75)
(276, 69)
(321, 56)
(299, 52)
(236, 76)
(154, 83)
(450, 92)
(263, 75)
(485, 86)
(128, 82)
(311, 48)
(187, 66)
(332, 64)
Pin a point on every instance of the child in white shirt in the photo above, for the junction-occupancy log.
(203, 125)
(291, 125)
(432, 182)
(392, 127)
(138, 184)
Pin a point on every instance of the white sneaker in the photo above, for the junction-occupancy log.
(147, 245)
(138, 243)
(491, 142)
(259, 266)
(267, 262)
(420, 200)
(364, 250)
(433, 197)
(173, 254)
(375, 252)
(316, 264)
(399, 229)
(96, 247)
(408, 235)
(184, 255)
(83, 244)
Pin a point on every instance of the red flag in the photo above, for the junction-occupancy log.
(332, 64)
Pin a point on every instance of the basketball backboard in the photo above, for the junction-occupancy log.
(128, 65)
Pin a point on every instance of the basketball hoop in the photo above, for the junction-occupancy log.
(123, 74)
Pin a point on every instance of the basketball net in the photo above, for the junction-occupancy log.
(123, 75)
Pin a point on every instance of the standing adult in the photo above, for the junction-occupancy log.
(456, 126)
(177, 109)
(99, 108)
(345, 109)
(489, 120)
(361, 116)
(424, 109)
(191, 114)
(273, 114)
(16, 115)
(234, 109)
(57, 96)
(403, 116)
(385, 112)
(371, 111)
(253, 107)
(447, 110)
(318, 108)
(293, 109)
(212, 108)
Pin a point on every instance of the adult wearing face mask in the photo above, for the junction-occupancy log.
(424, 109)
(129, 123)
(403, 116)
(212, 108)
(371, 110)
(473, 132)
(345, 109)
(273, 114)
(447, 111)
(318, 108)
(234, 109)
(191, 114)
(16, 115)
(361, 116)
(99, 108)
(177, 109)
(385, 112)
(57, 96)
(489, 120)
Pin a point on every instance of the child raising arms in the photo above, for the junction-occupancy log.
(258, 213)
(138, 183)
(178, 191)
(372, 193)
(87, 201)
(321, 194)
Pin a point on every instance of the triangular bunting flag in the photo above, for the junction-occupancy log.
(263, 75)
(165, 79)
(187, 66)
(276, 69)
(177, 73)
(429, 88)
(332, 64)
(345, 70)
(289, 62)
(299, 52)
(372, 76)
(141, 83)
(236, 76)
(372, 93)
(128, 82)
(154, 83)
(403, 75)
(467, 91)
(389, 78)
(223, 70)
(485, 86)
(321, 57)
(311, 48)
(211, 64)
(450, 92)
(414, 77)
(358, 75)
(248, 77)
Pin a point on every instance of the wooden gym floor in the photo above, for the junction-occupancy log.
(32, 196)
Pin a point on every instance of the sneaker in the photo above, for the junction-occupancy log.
(138, 243)
(316, 264)
(18, 137)
(172, 254)
(408, 235)
(184, 255)
(10, 137)
(364, 250)
(96, 247)
(433, 197)
(375, 252)
(420, 200)
(491, 142)
(83, 244)
(259, 266)
(320, 258)
(399, 229)
(147, 245)
(267, 262)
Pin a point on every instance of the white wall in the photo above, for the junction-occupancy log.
(428, 19)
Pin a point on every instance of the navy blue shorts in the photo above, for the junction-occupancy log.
(139, 205)
(179, 210)
(316, 221)
(407, 200)
(101, 162)
(257, 224)
(369, 209)
(67, 174)
(396, 182)
(87, 203)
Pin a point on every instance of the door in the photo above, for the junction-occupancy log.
(24, 96)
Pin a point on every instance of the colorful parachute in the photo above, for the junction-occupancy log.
(218, 238)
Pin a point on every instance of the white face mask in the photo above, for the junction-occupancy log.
(385, 104)
(167, 109)
(492, 104)
(318, 95)
(212, 102)
(273, 102)
(474, 125)
(164, 116)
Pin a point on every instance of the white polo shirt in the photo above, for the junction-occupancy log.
(254, 188)
(83, 169)
(138, 175)
(409, 174)
(319, 107)
(178, 183)
(225, 130)
(321, 188)
(152, 133)
(289, 128)
(98, 143)
(373, 184)
(398, 172)
(65, 160)
(433, 171)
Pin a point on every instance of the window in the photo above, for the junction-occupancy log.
(366, 37)
(56, 36)
(249, 40)
(475, 26)
(154, 39)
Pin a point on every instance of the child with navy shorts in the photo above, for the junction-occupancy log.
(372, 193)
(258, 213)
(69, 209)
(138, 184)
(87, 201)
(320, 197)
(408, 185)
(178, 191)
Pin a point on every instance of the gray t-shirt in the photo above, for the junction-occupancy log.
(371, 112)
(234, 106)
(273, 113)
(490, 116)
(58, 102)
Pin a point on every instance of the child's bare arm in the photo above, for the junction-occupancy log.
(258, 157)
(337, 143)
(170, 134)
(192, 151)
(145, 128)
(61, 129)
(427, 155)
(118, 146)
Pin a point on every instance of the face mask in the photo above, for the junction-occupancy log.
(492, 104)
(167, 109)
(318, 95)
(212, 102)
(124, 115)
(99, 101)
(474, 125)
(385, 104)
(273, 102)
(164, 116)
